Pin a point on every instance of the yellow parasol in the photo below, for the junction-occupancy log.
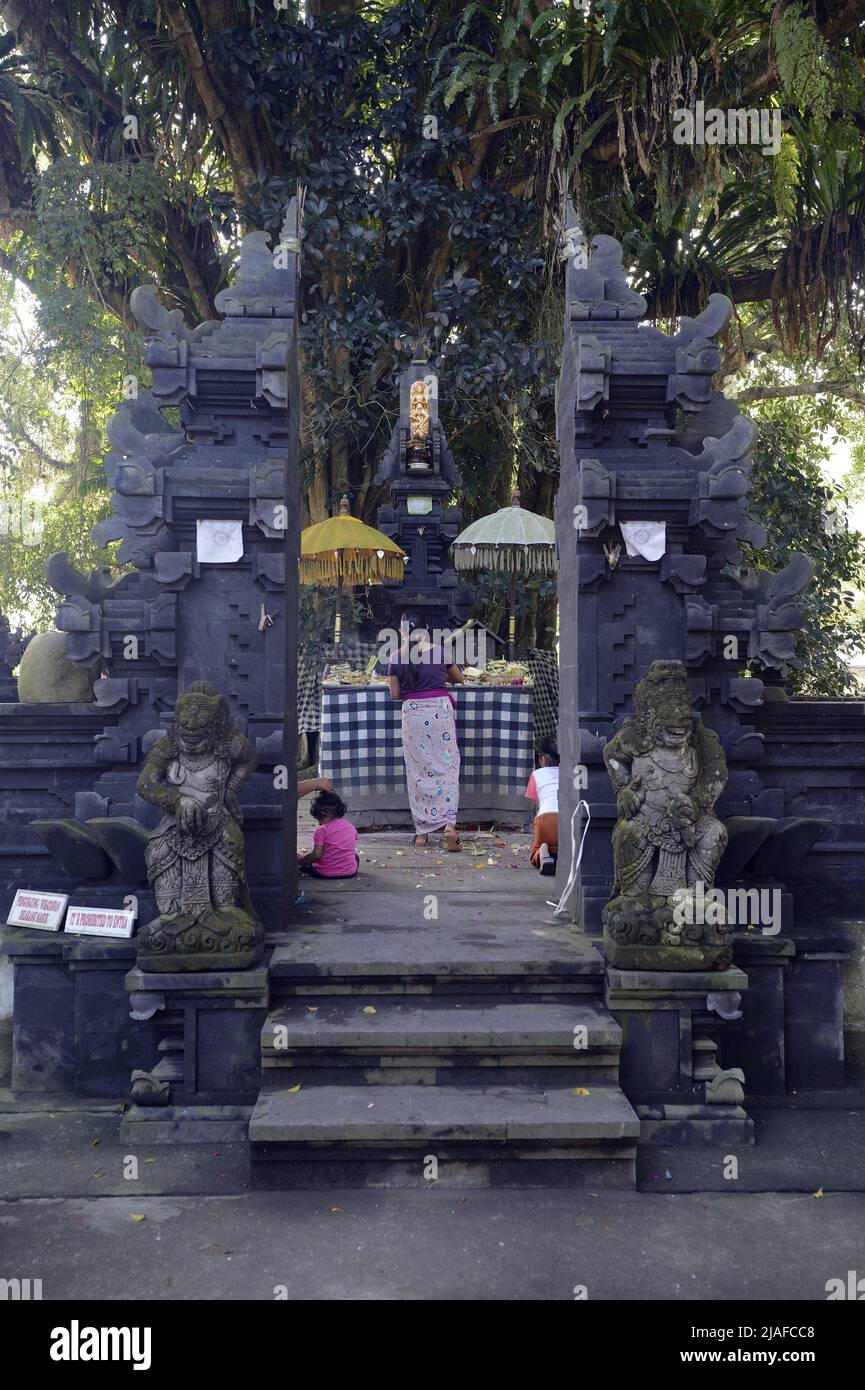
(344, 549)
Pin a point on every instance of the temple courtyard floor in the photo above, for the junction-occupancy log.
(185, 1224)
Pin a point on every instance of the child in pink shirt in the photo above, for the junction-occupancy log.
(333, 852)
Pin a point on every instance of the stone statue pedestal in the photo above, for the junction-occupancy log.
(670, 1070)
(206, 1078)
(641, 934)
(225, 939)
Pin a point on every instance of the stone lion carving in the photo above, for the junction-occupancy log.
(195, 856)
(668, 771)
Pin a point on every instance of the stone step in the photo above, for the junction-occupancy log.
(463, 1136)
(435, 957)
(436, 1040)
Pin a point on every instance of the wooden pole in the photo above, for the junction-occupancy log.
(512, 615)
(337, 622)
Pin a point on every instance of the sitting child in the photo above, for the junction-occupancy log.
(543, 789)
(333, 844)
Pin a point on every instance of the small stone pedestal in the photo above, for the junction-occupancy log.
(71, 1029)
(207, 1028)
(669, 1069)
(814, 1008)
(756, 1042)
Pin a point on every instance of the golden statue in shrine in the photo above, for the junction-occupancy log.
(418, 410)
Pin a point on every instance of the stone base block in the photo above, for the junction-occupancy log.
(207, 1028)
(610, 1170)
(185, 1124)
(670, 1067)
(667, 958)
(710, 1125)
(71, 1027)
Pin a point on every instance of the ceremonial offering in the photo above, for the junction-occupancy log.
(499, 673)
(341, 674)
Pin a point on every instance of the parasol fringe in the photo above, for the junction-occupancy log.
(354, 567)
(527, 559)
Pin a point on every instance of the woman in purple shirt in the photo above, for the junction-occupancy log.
(418, 679)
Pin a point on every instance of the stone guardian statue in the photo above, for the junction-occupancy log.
(195, 856)
(668, 771)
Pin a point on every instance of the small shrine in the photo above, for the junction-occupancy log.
(419, 469)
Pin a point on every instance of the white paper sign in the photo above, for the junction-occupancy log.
(646, 538)
(219, 542)
(99, 921)
(418, 506)
(32, 909)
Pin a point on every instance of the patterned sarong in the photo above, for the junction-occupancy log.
(432, 762)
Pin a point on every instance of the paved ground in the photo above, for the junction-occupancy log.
(490, 862)
(435, 1245)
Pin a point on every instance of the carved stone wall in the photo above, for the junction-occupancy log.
(652, 455)
(177, 617)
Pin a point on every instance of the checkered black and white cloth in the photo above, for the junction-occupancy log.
(544, 668)
(312, 659)
(361, 742)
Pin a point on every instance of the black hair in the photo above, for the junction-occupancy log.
(410, 677)
(328, 804)
(550, 749)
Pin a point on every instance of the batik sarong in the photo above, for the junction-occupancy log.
(432, 762)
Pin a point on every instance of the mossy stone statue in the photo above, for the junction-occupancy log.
(195, 856)
(47, 677)
(668, 771)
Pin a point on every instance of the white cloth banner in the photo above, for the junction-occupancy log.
(646, 538)
(219, 542)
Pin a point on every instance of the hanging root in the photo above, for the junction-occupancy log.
(818, 285)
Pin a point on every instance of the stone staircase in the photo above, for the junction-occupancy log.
(471, 1054)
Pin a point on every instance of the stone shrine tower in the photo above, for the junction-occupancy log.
(419, 468)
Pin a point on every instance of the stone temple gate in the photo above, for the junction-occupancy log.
(652, 508)
(206, 515)
(471, 1040)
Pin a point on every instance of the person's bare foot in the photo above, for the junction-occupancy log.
(421, 841)
(452, 839)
